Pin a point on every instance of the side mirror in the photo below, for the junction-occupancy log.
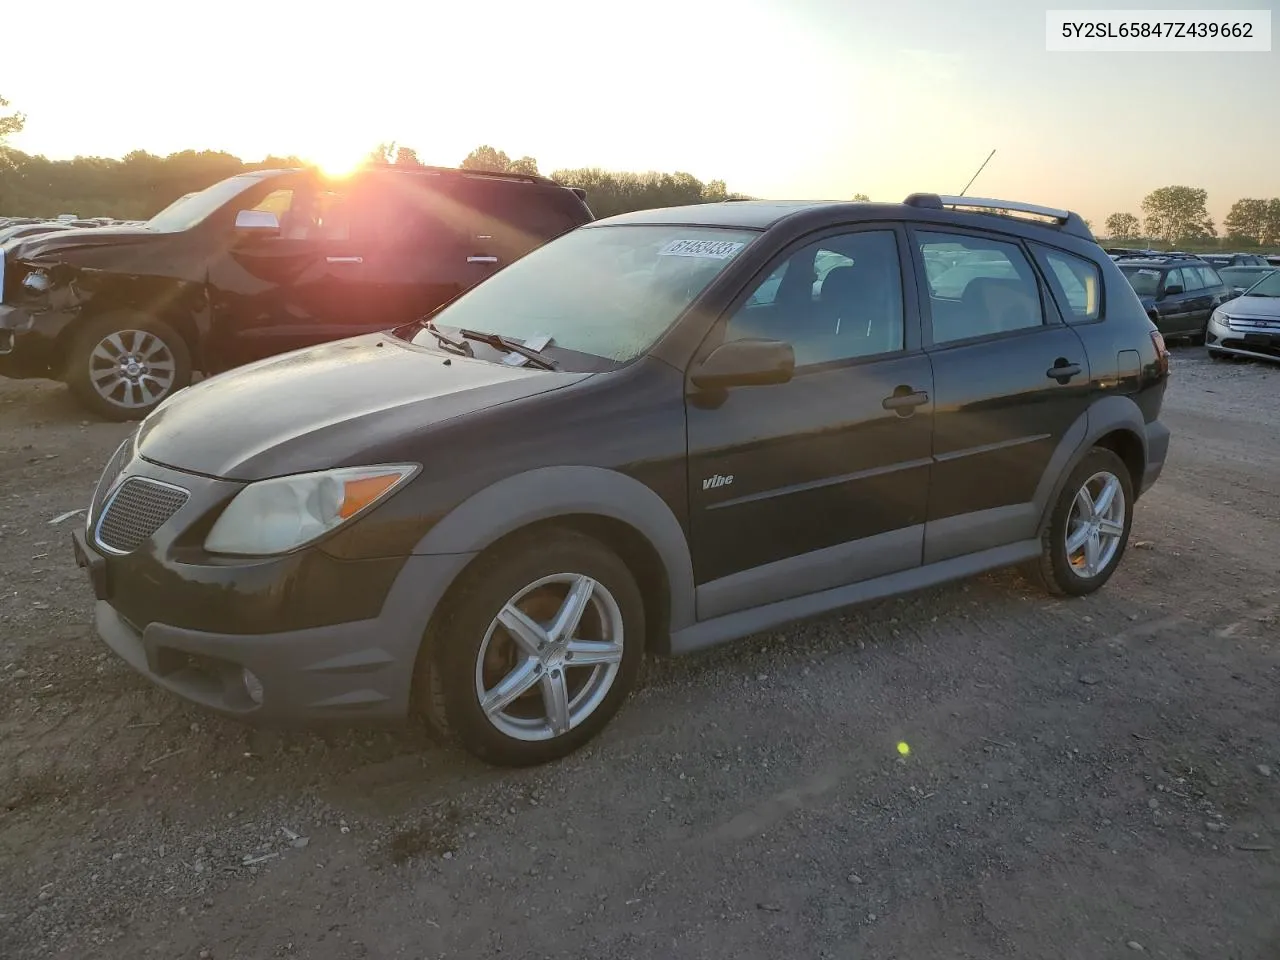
(1172, 291)
(257, 221)
(746, 363)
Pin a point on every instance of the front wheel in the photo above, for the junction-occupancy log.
(537, 648)
(123, 365)
(1089, 527)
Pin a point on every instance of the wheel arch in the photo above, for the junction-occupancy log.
(181, 305)
(615, 509)
(1114, 422)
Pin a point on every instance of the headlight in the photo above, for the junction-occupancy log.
(1219, 317)
(37, 281)
(281, 514)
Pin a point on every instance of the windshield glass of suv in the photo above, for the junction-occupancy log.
(609, 292)
(1144, 280)
(185, 213)
(1268, 286)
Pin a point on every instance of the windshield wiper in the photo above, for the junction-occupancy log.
(499, 342)
(444, 339)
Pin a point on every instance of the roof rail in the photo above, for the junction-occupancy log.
(463, 172)
(1068, 221)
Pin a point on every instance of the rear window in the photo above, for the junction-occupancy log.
(523, 215)
(1144, 280)
(1076, 283)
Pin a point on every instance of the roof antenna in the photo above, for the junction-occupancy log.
(975, 176)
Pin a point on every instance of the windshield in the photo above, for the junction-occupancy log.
(1144, 280)
(1268, 286)
(610, 292)
(185, 212)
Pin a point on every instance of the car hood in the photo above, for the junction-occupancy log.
(1253, 307)
(326, 406)
(57, 243)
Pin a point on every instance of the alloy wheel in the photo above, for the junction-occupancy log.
(1095, 525)
(550, 657)
(132, 368)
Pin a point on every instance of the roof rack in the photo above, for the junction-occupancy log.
(1068, 221)
(1162, 257)
(462, 172)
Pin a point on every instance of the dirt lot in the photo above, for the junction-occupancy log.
(1093, 778)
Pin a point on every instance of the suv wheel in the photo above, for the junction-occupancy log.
(122, 365)
(538, 649)
(1089, 526)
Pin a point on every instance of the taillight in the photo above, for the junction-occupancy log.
(1162, 352)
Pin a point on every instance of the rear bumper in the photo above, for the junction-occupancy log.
(1157, 452)
(359, 669)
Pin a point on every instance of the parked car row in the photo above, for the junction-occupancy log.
(259, 264)
(1181, 292)
(655, 433)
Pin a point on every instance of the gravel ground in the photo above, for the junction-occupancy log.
(1092, 778)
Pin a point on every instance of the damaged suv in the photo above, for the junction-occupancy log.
(259, 264)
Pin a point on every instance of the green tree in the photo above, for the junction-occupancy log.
(1249, 220)
(10, 123)
(1123, 226)
(486, 158)
(861, 198)
(407, 157)
(1178, 213)
(1271, 234)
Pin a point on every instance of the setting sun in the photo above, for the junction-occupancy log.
(338, 160)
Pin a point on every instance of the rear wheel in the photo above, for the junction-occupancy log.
(536, 650)
(1089, 527)
(123, 365)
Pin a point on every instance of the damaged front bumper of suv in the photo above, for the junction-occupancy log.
(37, 307)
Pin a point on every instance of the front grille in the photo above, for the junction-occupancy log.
(119, 460)
(138, 509)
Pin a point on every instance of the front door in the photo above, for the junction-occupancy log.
(822, 481)
(296, 287)
(1010, 378)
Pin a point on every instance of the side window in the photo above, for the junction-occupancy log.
(990, 289)
(838, 298)
(306, 214)
(1210, 277)
(401, 217)
(1171, 279)
(1191, 279)
(1079, 283)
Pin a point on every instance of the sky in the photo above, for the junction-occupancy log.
(784, 99)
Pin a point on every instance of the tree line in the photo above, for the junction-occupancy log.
(1179, 215)
(141, 184)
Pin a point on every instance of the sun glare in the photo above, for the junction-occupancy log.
(338, 161)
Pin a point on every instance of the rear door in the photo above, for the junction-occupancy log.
(271, 293)
(1172, 308)
(416, 255)
(1010, 378)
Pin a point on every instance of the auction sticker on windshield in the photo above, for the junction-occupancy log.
(708, 249)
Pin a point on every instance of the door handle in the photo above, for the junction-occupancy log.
(482, 259)
(1062, 370)
(904, 400)
(345, 259)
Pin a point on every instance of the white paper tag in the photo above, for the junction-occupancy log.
(707, 249)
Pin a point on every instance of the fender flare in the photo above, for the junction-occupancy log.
(549, 492)
(1104, 416)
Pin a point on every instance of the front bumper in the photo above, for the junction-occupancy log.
(28, 341)
(321, 637)
(361, 669)
(1245, 338)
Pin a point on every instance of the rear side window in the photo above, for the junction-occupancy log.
(1210, 277)
(1076, 283)
(987, 287)
(1173, 279)
(520, 216)
(1191, 279)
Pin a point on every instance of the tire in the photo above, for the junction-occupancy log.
(109, 389)
(1063, 572)
(469, 655)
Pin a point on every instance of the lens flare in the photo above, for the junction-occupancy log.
(904, 748)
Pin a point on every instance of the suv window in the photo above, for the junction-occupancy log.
(1191, 279)
(519, 216)
(993, 290)
(1079, 280)
(306, 214)
(1173, 278)
(1210, 277)
(398, 213)
(838, 298)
